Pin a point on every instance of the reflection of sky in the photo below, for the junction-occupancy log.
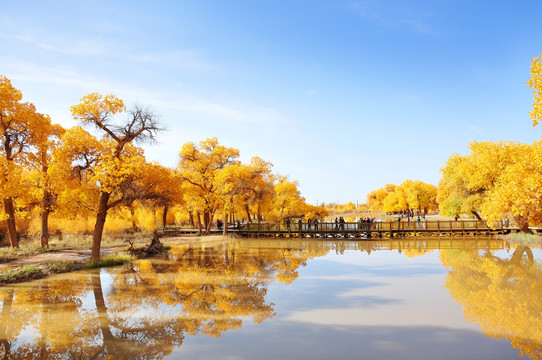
(378, 306)
(381, 289)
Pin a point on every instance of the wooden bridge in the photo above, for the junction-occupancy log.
(375, 229)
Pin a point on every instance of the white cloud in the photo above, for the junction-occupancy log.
(388, 16)
(385, 308)
(183, 59)
(235, 113)
(97, 46)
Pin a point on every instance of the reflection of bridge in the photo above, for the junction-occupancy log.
(413, 245)
(376, 229)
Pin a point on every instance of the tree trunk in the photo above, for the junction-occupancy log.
(46, 203)
(45, 228)
(198, 216)
(45, 211)
(209, 223)
(478, 217)
(164, 217)
(99, 226)
(248, 213)
(10, 222)
(135, 228)
(191, 218)
(206, 224)
(226, 218)
(523, 224)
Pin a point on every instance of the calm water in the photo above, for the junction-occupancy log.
(422, 298)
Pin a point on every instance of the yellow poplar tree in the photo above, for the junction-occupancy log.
(395, 201)
(20, 128)
(516, 194)
(161, 187)
(200, 167)
(467, 180)
(375, 199)
(119, 162)
(46, 141)
(420, 195)
(258, 188)
(288, 201)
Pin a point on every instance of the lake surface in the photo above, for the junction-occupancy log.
(420, 298)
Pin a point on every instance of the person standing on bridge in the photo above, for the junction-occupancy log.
(341, 221)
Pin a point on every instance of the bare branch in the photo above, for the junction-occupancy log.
(142, 126)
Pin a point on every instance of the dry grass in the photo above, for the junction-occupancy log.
(38, 271)
(32, 246)
(24, 273)
(522, 239)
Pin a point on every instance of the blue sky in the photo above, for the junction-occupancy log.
(343, 96)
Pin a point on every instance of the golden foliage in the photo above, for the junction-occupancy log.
(97, 108)
(70, 178)
(503, 294)
(535, 82)
(503, 182)
(205, 170)
(375, 199)
(409, 195)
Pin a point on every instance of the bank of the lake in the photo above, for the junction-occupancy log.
(31, 262)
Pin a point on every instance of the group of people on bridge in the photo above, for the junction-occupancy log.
(339, 223)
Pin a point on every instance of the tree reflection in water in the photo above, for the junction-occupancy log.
(504, 295)
(145, 309)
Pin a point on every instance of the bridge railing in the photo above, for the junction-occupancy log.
(304, 227)
(433, 225)
(412, 225)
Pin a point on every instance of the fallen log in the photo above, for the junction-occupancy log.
(155, 247)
